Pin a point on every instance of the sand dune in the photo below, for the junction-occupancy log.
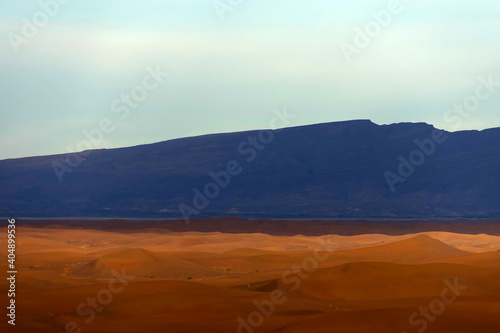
(144, 264)
(214, 282)
(384, 281)
(488, 260)
(415, 250)
(452, 320)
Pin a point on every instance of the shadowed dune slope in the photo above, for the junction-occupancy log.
(453, 320)
(487, 259)
(385, 281)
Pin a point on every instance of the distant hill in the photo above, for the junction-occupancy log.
(340, 169)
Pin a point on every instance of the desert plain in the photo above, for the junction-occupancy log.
(236, 275)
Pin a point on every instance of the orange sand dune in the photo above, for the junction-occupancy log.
(384, 281)
(415, 250)
(142, 264)
(216, 282)
(488, 260)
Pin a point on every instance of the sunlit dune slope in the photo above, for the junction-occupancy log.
(142, 264)
(415, 250)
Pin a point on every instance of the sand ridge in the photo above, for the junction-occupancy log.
(213, 281)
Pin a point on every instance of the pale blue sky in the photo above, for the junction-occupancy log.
(229, 75)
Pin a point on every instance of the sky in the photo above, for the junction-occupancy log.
(89, 74)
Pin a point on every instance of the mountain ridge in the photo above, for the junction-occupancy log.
(337, 169)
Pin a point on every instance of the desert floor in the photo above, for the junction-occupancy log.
(256, 276)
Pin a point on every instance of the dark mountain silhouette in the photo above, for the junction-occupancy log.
(341, 169)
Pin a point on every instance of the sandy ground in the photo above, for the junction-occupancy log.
(77, 279)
